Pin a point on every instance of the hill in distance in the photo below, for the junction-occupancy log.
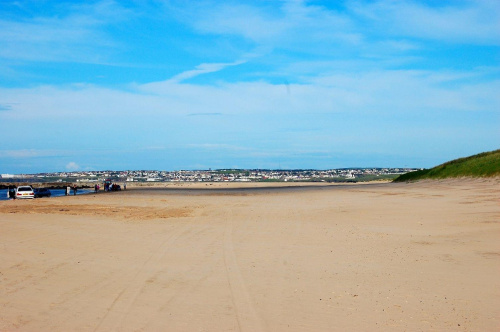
(486, 164)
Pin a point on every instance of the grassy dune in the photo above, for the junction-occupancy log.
(486, 164)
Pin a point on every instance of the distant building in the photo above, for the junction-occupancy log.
(6, 176)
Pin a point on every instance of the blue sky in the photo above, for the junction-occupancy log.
(171, 85)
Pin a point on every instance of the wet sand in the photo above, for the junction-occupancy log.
(421, 256)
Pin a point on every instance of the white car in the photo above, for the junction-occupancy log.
(25, 192)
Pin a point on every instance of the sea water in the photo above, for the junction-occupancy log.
(54, 192)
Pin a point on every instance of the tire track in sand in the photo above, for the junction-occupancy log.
(246, 315)
(124, 301)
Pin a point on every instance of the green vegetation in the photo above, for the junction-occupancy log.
(375, 177)
(486, 164)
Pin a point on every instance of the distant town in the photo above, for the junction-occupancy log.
(220, 175)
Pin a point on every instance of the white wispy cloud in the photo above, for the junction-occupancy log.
(203, 68)
(290, 23)
(384, 30)
(74, 33)
(30, 153)
(218, 146)
(72, 166)
(372, 91)
(475, 22)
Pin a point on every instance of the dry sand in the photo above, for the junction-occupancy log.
(389, 257)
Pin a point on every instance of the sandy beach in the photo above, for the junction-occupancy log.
(421, 256)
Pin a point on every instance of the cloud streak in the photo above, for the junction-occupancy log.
(476, 22)
(29, 153)
(72, 166)
(5, 108)
(77, 35)
(201, 69)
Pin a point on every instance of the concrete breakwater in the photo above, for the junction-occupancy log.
(49, 185)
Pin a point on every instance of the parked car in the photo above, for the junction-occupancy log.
(42, 192)
(25, 192)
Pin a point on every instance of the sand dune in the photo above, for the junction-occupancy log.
(379, 257)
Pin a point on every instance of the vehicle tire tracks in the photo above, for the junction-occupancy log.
(246, 315)
(124, 301)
